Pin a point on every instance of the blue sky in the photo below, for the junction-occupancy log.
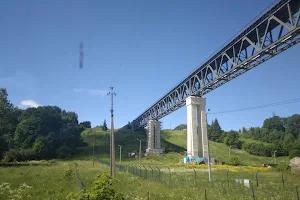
(142, 48)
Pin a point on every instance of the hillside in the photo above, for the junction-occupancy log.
(174, 142)
(221, 151)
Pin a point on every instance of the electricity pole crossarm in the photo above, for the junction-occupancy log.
(112, 170)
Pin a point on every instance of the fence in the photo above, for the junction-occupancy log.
(178, 177)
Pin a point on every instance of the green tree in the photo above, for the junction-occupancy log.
(215, 131)
(85, 124)
(288, 141)
(26, 132)
(232, 139)
(129, 125)
(274, 123)
(181, 127)
(273, 135)
(294, 153)
(233, 161)
(40, 147)
(293, 125)
(104, 127)
(8, 121)
(38, 133)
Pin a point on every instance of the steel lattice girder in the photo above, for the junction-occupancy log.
(273, 32)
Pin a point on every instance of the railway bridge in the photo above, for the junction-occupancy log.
(272, 32)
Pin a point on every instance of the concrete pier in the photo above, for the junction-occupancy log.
(153, 138)
(197, 144)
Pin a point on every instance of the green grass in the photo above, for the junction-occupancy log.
(127, 139)
(46, 181)
(184, 185)
(221, 151)
(174, 143)
(250, 140)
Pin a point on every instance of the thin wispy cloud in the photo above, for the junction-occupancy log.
(91, 91)
(30, 103)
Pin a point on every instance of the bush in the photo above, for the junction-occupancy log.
(52, 162)
(233, 161)
(294, 153)
(18, 155)
(69, 173)
(102, 189)
(259, 149)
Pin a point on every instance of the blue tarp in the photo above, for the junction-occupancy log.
(197, 159)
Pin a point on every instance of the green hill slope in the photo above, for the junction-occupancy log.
(221, 151)
(173, 141)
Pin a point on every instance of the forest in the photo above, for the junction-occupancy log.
(44, 132)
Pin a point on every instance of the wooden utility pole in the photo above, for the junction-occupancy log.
(94, 149)
(112, 170)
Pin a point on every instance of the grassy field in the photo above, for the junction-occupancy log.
(49, 182)
(40, 181)
(174, 143)
(52, 180)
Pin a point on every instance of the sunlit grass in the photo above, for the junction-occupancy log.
(46, 181)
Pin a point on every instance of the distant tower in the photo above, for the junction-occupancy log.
(274, 114)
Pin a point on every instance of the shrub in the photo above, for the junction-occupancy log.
(18, 155)
(233, 161)
(69, 173)
(52, 162)
(259, 149)
(102, 189)
(294, 153)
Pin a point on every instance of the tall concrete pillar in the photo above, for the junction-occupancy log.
(150, 134)
(153, 138)
(157, 136)
(196, 126)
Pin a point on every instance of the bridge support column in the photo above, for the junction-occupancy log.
(197, 144)
(153, 138)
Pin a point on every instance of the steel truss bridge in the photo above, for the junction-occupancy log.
(272, 32)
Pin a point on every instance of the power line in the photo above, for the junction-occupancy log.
(261, 106)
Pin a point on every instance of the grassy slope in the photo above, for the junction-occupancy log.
(174, 143)
(221, 151)
(127, 139)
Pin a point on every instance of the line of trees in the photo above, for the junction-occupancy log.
(230, 138)
(37, 133)
(281, 134)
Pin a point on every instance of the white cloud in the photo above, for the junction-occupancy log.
(91, 91)
(30, 103)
